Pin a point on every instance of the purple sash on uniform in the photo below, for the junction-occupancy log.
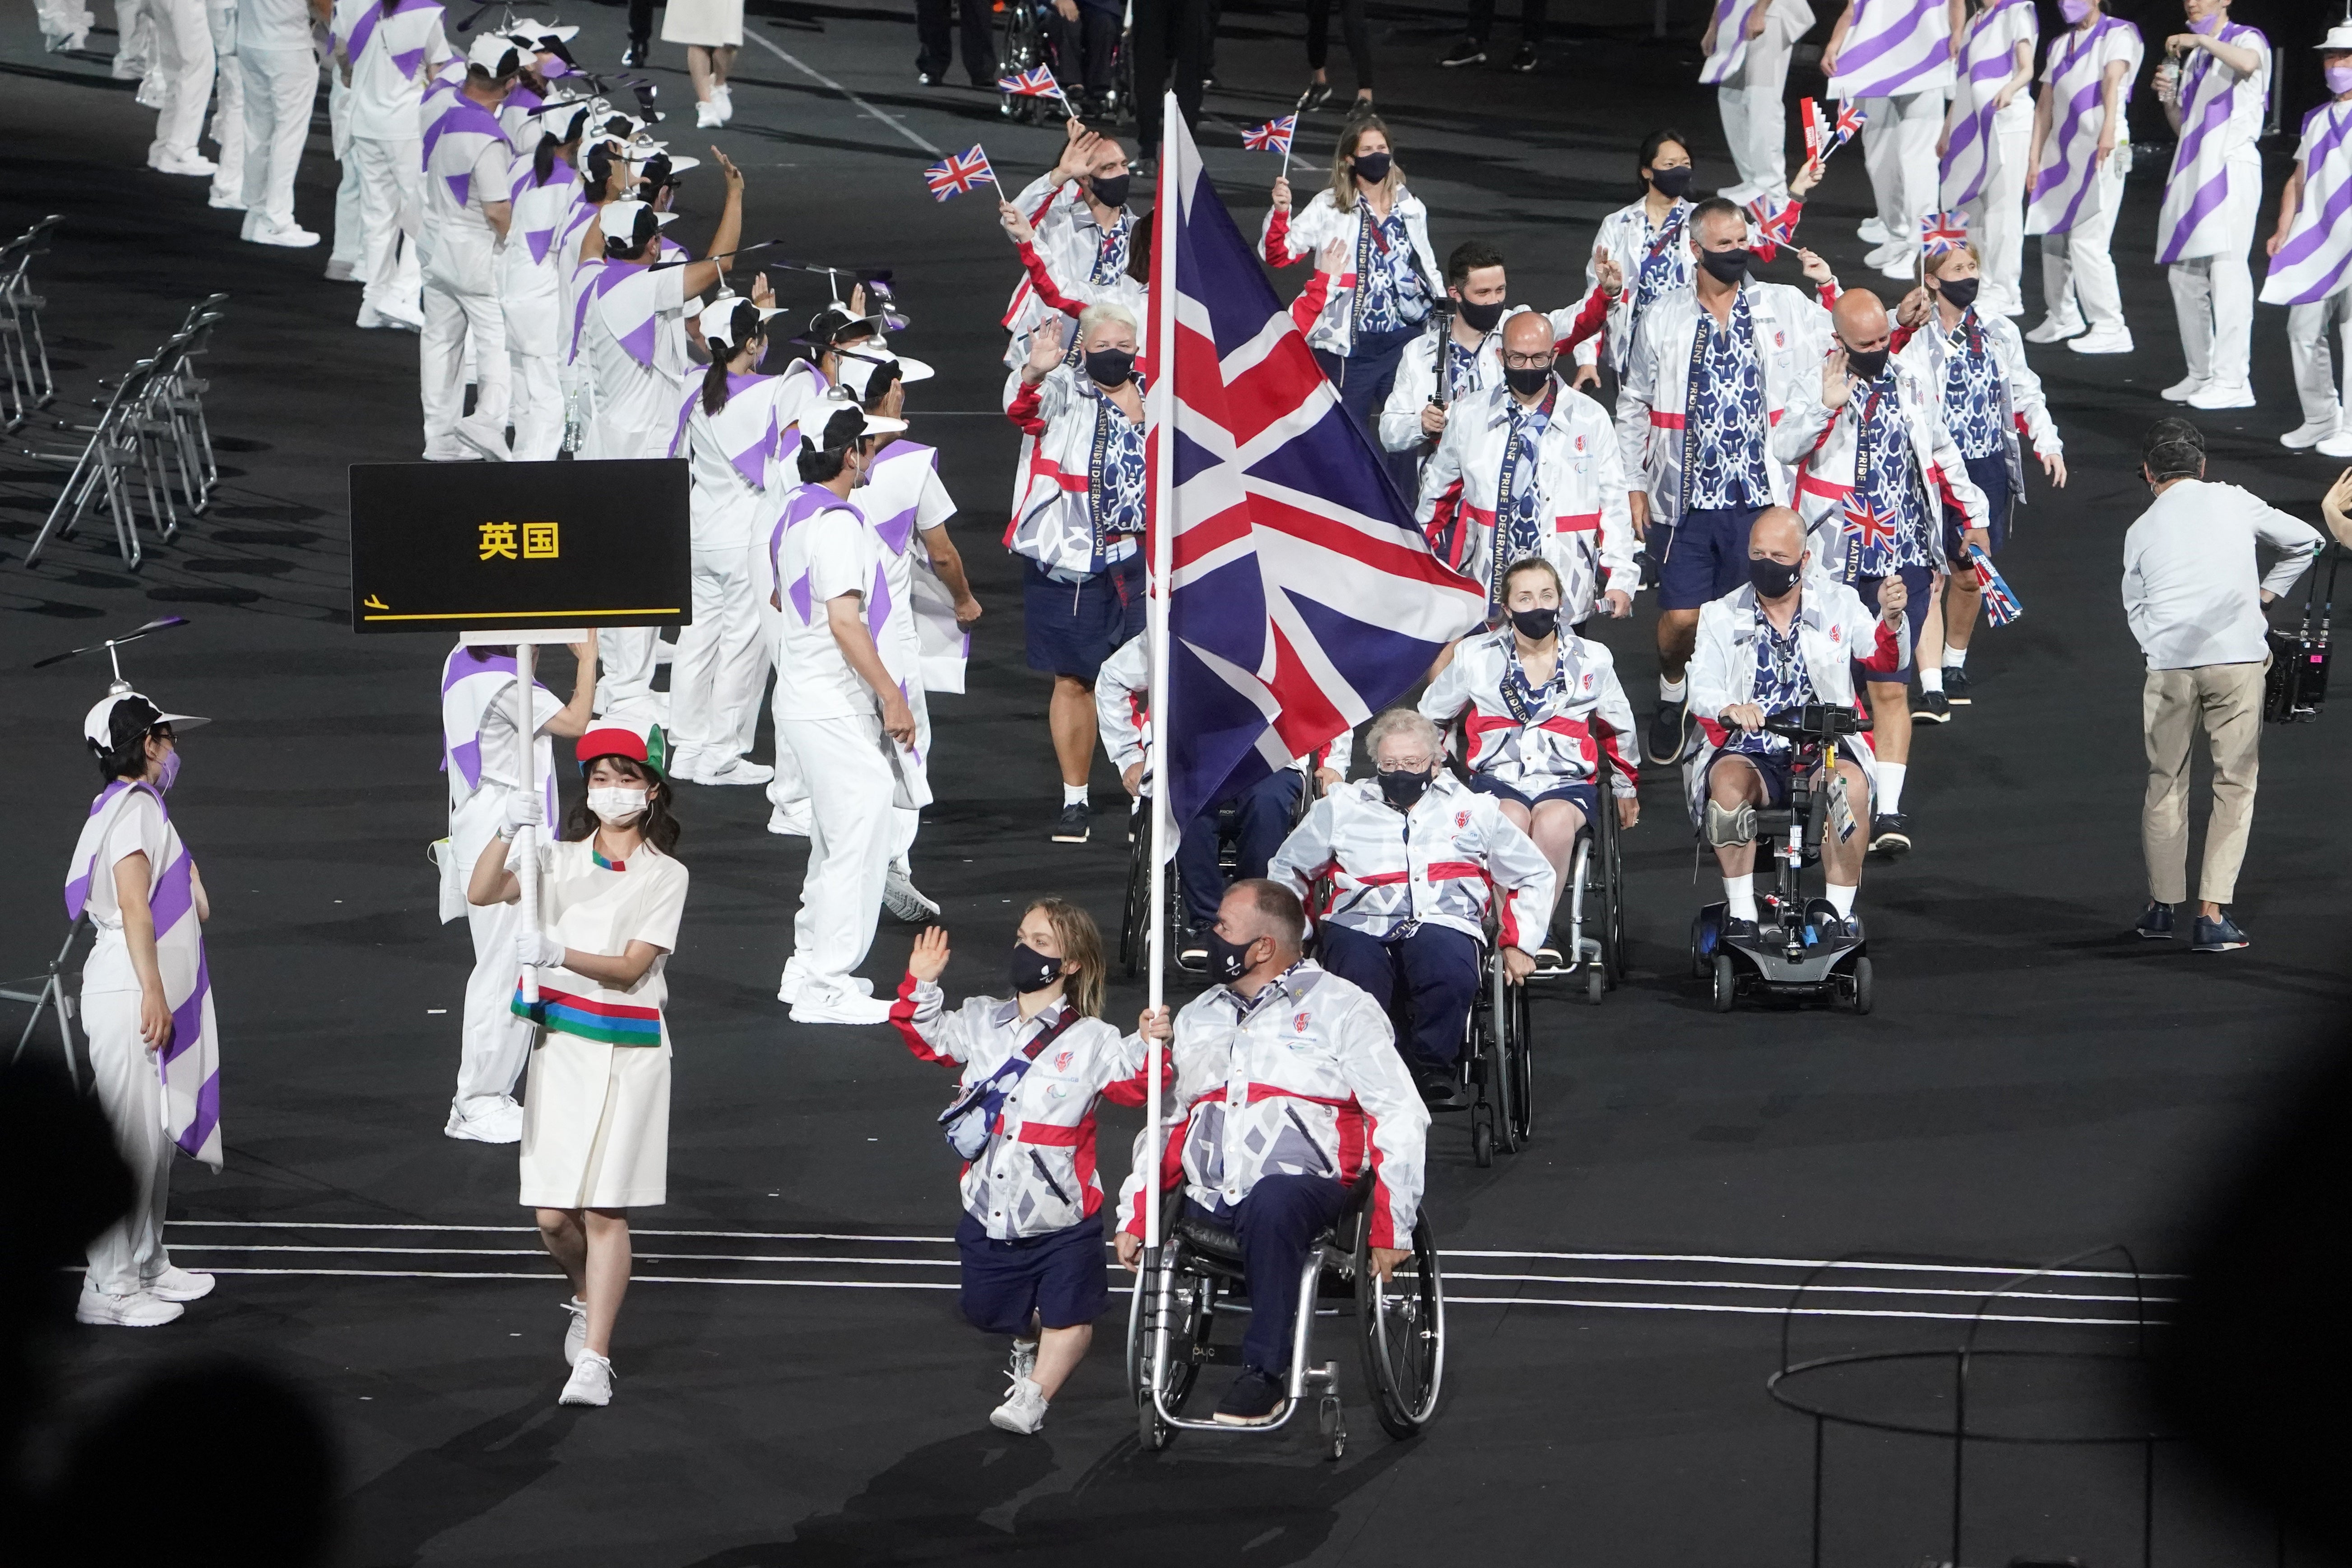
(402, 61)
(2316, 259)
(2199, 181)
(2065, 182)
(1970, 152)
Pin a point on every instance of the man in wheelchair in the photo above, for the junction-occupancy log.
(1792, 637)
(1287, 1088)
(1415, 859)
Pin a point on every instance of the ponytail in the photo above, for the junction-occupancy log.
(818, 464)
(543, 159)
(714, 385)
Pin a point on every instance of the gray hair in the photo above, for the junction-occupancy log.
(1408, 722)
(1096, 314)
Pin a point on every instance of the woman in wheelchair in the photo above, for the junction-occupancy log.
(1024, 1121)
(1543, 703)
(1288, 1088)
(1409, 899)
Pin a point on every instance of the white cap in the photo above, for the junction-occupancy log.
(620, 219)
(490, 52)
(722, 311)
(2339, 36)
(98, 724)
(528, 28)
(875, 424)
(859, 362)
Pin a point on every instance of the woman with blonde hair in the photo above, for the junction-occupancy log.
(1024, 1122)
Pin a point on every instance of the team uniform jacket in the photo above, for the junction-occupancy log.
(1416, 376)
(1054, 524)
(1791, 334)
(2023, 410)
(1288, 238)
(1077, 251)
(1581, 711)
(1834, 627)
(1583, 526)
(1304, 1080)
(1037, 1174)
(1123, 714)
(1439, 863)
(1821, 443)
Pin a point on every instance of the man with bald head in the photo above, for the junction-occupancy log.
(1790, 636)
(1711, 372)
(1877, 468)
(1528, 470)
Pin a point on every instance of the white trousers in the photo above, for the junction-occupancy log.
(390, 176)
(2213, 296)
(494, 1044)
(1996, 216)
(2078, 274)
(714, 674)
(64, 21)
(183, 73)
(533, 309)
(134, 41)
(1756, 112)
(1898, 146)
(349, 243)
(280, 88)
(227, 130)
(461, 311)
(2307, 327)
(788, 790)
(129, 1253)
(906, 821)
(626, 657)
(851, 832)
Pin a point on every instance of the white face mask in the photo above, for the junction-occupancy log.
(617, 806)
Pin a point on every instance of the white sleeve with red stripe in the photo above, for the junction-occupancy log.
(1890, 647)
(1376, 1076)
(1449, 694)
(1806, 425)
(1122, 691)
(1714, 673)
(1306, 854)
(2025, 396)
(919, 1015)
(1522, 876)
(1612, 726)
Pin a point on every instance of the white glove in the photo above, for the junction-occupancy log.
(524, 809)
(536, 947)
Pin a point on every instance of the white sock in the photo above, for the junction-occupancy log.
(1670, 690)
(1890, 788)
(1956, 657)
(1074, 794)
(1739, 898)
(1842, 899)
(1931, 678)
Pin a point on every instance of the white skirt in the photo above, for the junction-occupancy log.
(595, 1124)
(713, 24)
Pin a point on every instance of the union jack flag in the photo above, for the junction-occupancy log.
(960, 172)
(2001, 605)
(1035, 83)
(1872, 527)
(1820, 140)
(1301, 597)
(1273, 136)
(1776, 223)
(1940, 232)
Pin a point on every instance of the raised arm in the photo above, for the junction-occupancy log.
(703, 276)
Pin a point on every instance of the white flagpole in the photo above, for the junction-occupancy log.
(1166, 221)
(527, 839)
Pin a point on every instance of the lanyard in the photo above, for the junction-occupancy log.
(1525, 429)
(1861, 491)
(1519, 694)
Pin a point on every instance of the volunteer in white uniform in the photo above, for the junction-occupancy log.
(2311, 258)
(2214, 85)
(180, 83)
(386, 52)
(278, 68)
(595, 1133)
(468, 170)
(479, 754)
(2082, 149)
(145, 1003)
(841, 713)
(1893, 59)
(1748, 44)
(226, 130)
(544, 196)
(1982, 151)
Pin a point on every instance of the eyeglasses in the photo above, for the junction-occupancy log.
(1530, 362)
(1406, 765)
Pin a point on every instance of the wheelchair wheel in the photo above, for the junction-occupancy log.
(1520, 1065)
(1726, 982)
(1482, 1139)
(1193, 1305)
(1499, 1050)
(1610, 877)
(1020, 47)
(1402, 1323)
(1863, 986)
(1595, 982)
(1134, 934)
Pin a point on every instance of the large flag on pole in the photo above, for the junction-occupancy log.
(1301, 597)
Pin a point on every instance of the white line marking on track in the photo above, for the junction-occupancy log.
(815, 75)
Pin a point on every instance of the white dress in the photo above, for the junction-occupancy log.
(713, 24)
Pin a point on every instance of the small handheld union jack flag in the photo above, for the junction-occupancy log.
(1775, 221)
(1871, 526)
(961, 172)
(2001, 605)
(1037, 82)
(1940, 232)
(1273, 136)
(1820, 139)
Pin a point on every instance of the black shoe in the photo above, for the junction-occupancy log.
(1193, 950)
(1440, 1088)
(1250, 1399)
(1669, 732)
(2155, 921)
(1317, 95)
(1737, 926)
(635, 55)
(2218, 936)
(1887, 836)
(1525, 60)
(1468, 52)
(1932, 708)
(1074, 823)
(1956, 685)
(927, 78)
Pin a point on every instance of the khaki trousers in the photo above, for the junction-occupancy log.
(2227, 699)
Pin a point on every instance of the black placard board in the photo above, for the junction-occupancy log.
(443, 547)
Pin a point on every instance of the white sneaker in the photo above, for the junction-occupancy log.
(724, 98)
(2309, 433)
(1024, 1363)
(575, 1333)
(905, 900)
(790, 821)
(292, 235)
(490, 440)
(2337, 445)
(2181, 391)
(136, 1309)
(1023, 1409)
(224, 200)
(591, 1382)
(499, 1122)
(1870, 231)
(2223, 394)
(1904, 266)
(2056, 329)
(707, 116)
(185, 164)
(736, 771)
(829, 1002)
(796, 979)
(180, 1285)
(2106, 341)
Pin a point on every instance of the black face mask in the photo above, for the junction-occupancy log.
(1867, 364)
(1110, 189)
(1725, 266)
(1228, 961)
(1110, 367)
(1029, 970)
(1527, 382)
(1770, 578)
(1671, 182)
(1960, 293)
(1479, 317)
(1404, 791)
(1535, 625)
(1372, 166)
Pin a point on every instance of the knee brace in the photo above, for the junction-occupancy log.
(1726, 829)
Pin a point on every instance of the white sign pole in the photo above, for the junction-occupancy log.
(1165, 222)
(527, 839)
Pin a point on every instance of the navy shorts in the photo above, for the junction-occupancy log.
(1992, 475)
(1915, 581)
(1058, 1277)
(1771, 767)
(1703, 557)
(1585, 797)
(1074, 627)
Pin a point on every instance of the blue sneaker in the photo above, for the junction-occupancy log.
(1252, 1400)
(2217, 936)
(2155, 922)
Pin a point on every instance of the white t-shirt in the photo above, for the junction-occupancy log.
(601, 909)
(384, 102)
(490, 177)
(498, 733)
(139, 828)
(636, 404)
(725, 505)
(837, 553)
(900, 484)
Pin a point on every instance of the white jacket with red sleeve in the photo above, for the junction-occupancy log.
(1819, 442)
(1580, 710)
(1290, 237)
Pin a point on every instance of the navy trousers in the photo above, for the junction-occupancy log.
(1276, 1221)
(1437, 965)
(1261, 822)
